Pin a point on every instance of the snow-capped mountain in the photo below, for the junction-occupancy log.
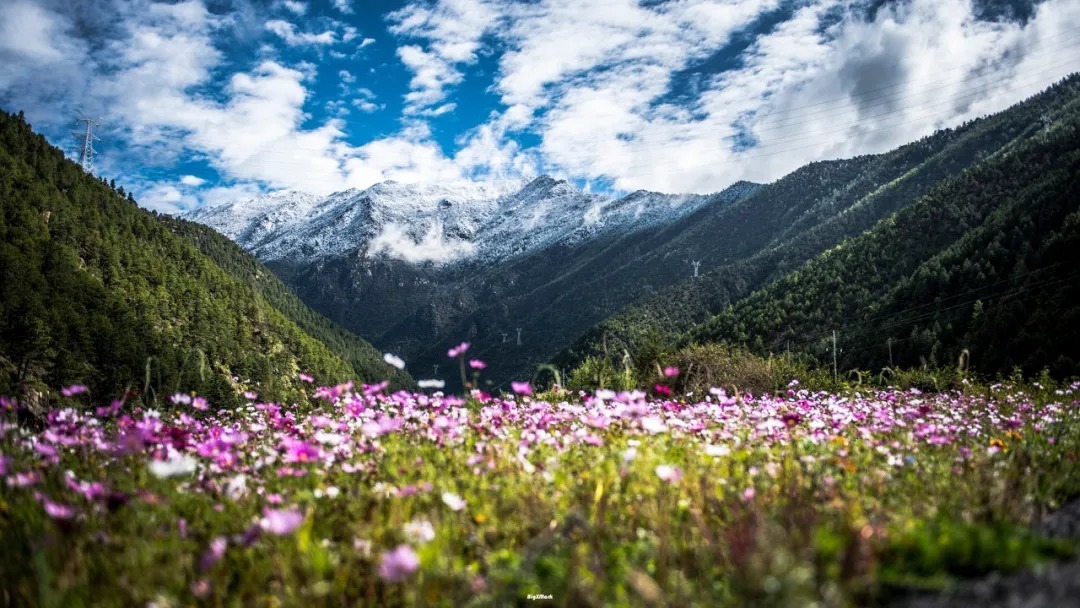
(517, 268)
(439, 224)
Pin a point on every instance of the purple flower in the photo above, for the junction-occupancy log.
(281, 522)
(477, 364)
(213, 554)
(522, 388)
(398, 564)
(74, 389)
(458, 350)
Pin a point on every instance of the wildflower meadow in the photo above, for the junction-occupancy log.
(362, 496)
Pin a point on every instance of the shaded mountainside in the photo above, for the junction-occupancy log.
(786, 223)
(416, 269)
(102, 293)
(984, 262)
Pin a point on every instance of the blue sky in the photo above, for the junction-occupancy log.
(204, 101)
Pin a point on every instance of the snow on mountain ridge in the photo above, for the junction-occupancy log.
(441, 223)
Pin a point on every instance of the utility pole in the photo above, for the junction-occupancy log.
(834, 356)
(519, 336)
(435, 370)
(86, 134)
(889, 343)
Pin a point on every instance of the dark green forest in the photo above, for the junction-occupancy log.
(959, 241)
(97, 291)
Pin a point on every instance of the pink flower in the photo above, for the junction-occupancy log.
(477, 364)
(74, 389)
(307, 378)
(748, 494)
(299, 451)
(668, 473)
(398, 564)
(55, 510)
(213, 554)
(281, 522)
(671, 372)
(458, 350)
(522, 388)
(662, 390)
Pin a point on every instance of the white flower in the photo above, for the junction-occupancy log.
(237, 487)
(717, 450)
(419, 531)
(453, 501)
(394, 360)
(431, 384)
(653, 425)
(629, 454)
(177, 464)
(328, 438)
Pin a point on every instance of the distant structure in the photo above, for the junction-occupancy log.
(86, 135)
(696, 264)
(519, 336)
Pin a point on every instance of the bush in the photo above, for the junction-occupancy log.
(703, 367)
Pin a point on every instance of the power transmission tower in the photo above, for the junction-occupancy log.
(834, 356)
(86, 134)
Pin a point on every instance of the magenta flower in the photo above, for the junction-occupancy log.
(662, 390)
(307, 378)
(477, 364)
(458, 350)
(281, 522)
(398, 564)
(522, 388)
(671, 372)
(55, 510)
(74, 389)
(299, 451)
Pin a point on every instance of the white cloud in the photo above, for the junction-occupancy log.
(452, 31)
(343, 6)
(193, 181)
(297, 7)
(366, 42)
(395, 241)
(289, 33)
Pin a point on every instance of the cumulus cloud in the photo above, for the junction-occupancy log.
(289, 33)
(451, 32)
(622, 92)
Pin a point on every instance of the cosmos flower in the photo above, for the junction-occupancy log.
(281, 522)
(177, 464)
(521, 388)
(213, 553)
(74, 389)
(477, 364)
(668, 473)
(671, 372)
(458, 350)
(436, 384)
(398, 564)
(420, 531)
(455, 502)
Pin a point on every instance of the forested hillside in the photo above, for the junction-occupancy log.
(985, 263)
(97, 291)
(811, 211)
